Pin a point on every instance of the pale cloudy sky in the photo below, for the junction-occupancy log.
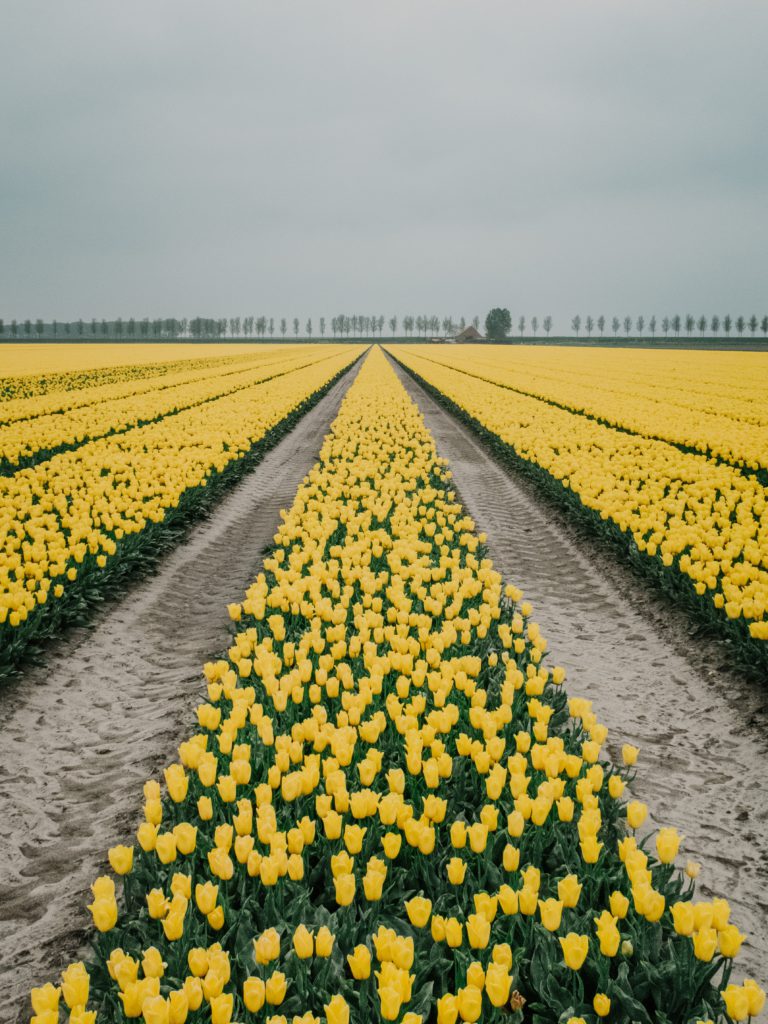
(304, 157)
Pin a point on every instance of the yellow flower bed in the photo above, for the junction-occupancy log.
(714, 402)
(71, 514)
(72, 366)
(389, 809)
(107, 411)
(44, 394)
(702, 518)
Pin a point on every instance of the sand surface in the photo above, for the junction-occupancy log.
(105, 710)
(702, 730)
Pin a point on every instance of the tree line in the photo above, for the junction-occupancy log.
(498, 325)
(340, 326)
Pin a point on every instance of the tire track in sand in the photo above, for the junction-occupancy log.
(702, 730)
(105, 709)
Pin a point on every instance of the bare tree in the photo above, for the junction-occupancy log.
(727, 324)
(547, 324)
(740, 325)
(627, 325)
(521, 325)
(601, 324)
(589, 326)
(640, 324)
(534, 325)
(576, 324)
(715, 326)
(652, 325)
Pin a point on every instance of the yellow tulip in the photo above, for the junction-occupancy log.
(418, 910)
(324, 942)
(276, 987)
(121, 859)
(360, 962)
(303, 942)
(75, 985)
(575, 948)
(337, 1010)
(254, 994)
(602, 1004)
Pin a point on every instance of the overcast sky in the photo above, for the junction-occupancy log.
(306, 157)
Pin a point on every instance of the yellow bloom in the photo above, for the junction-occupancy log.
(337, 1010)
(478, 931)
(575, 948)
(153, 964)
(457, 868)
(303, 942)
(636, 813)
(704, 944)
(736, 999)
(418, 910)
(551, 912)
(569, 890)
(254, 994)
(498, 984)
(667, 844)
(276, 988)
(324, 942)
(602, 1004)
(221, 1008)
(75, 985)
(629, 754)
(470, 1003)
(121, 859)
(360, 962)
(267, 947)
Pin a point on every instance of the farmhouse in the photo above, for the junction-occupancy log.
(468, 334)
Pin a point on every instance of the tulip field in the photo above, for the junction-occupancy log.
(666, 456)
(391, 804)
(100, 467)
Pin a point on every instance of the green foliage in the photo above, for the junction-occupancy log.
(498, 324)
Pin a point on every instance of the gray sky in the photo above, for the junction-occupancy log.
(305, 157)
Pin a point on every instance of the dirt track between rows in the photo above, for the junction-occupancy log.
(702, 730)
(105, 710)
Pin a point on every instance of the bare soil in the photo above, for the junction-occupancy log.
(655, 681)
(105, 709)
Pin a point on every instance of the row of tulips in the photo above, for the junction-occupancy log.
(709, 402)
(389, 808)
(73, 527)
(698, 525)
(73, 370)
(103, 412)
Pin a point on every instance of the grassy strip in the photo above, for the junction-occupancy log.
(138, 553)
(750, 655)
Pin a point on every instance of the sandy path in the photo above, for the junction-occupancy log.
(703, 731)
(106, 709)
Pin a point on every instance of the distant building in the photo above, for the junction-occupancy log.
(468, 334)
